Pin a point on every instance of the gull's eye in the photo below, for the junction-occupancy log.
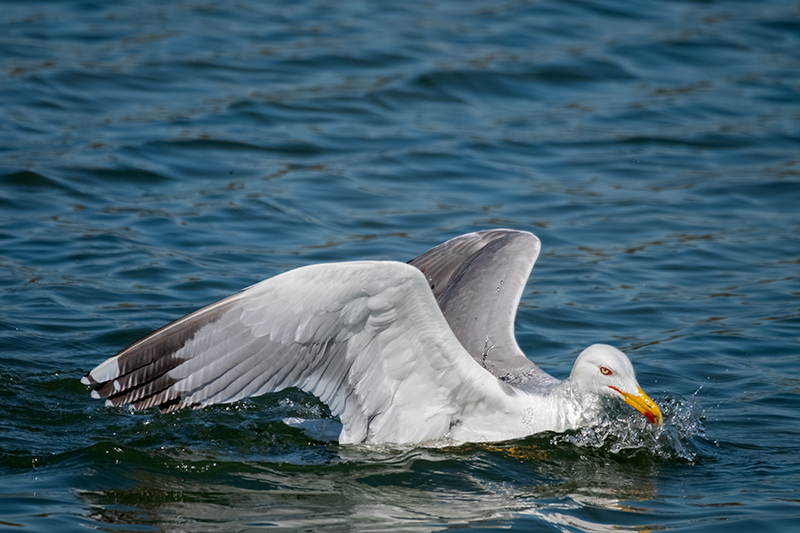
(605, 371)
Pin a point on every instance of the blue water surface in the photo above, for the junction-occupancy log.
(156, 157)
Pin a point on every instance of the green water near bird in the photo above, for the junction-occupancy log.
(155, 158)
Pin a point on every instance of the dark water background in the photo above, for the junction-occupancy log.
(155, 157)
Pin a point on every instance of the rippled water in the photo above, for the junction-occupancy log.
(157, 157)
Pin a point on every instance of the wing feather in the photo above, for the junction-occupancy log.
(367, 338)
(478, 279)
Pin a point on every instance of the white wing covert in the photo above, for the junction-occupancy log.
(367, 338)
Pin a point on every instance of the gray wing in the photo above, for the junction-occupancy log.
(367, 338)
(477, 280)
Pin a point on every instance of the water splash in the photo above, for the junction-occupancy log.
(618, 431)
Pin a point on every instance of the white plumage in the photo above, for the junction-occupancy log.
(371, 340)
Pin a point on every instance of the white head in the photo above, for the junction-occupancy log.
(604, 371)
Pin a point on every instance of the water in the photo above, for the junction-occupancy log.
(157, 157)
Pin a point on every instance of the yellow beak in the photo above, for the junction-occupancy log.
(642, 403)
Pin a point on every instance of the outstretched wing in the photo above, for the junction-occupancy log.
(478, 279)
(367, 338)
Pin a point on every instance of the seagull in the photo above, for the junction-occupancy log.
(402, 353)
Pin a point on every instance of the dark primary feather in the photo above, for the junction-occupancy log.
(143, 377)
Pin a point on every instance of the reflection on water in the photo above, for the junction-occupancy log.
(414, 491)
(324, 487)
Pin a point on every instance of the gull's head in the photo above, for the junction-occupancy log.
(607, 372)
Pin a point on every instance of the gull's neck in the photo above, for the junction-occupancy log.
(559, 409)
